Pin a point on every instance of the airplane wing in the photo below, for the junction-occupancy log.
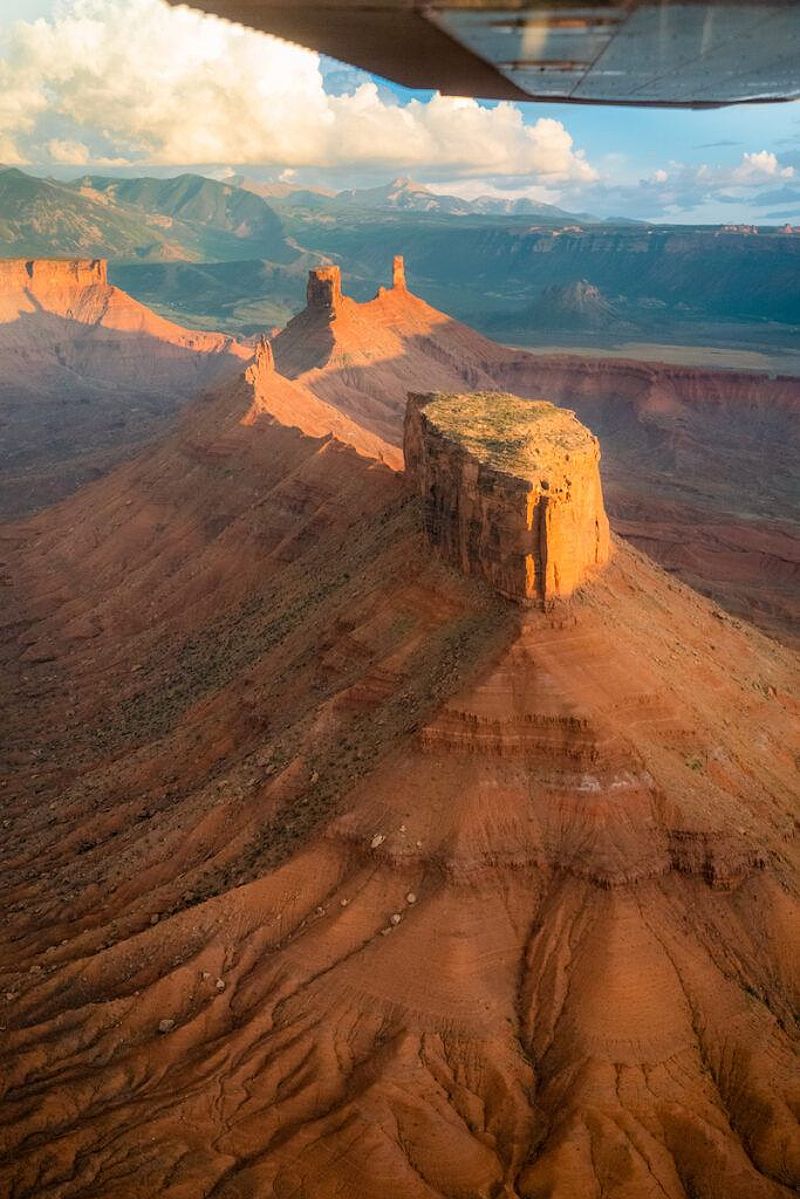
(673, 53)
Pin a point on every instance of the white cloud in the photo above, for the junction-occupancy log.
(690, 188)
(9, 154)
(691, 183)
(142, 80)
(70, 153)
(755, 168)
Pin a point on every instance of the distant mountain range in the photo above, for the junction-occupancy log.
(232, 254)
(43, 217)
(193, 200)
(187, 217)
(405, 194)
(196, 219)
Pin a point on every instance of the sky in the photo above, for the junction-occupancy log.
(135, 86)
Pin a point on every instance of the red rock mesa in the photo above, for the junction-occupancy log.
(58, 280)
(663, 489)
(511, 490)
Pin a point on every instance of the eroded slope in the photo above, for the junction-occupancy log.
(88, 375)
(328, 872)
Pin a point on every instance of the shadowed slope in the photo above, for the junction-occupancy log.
(88, 374)
(292, 405)
(360, 880)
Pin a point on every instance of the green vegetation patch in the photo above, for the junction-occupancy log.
(520, 437)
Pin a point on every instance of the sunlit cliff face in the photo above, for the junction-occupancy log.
(511, 490)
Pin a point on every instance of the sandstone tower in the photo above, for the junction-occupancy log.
(324, 290)
(511, 489)
(399, 272)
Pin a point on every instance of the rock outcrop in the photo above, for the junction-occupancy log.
(33, 291)
(511, 490)
(263, 360)
(664, 491)
(265, 394)
(32, 273)
(324, 290)
(399, 272)
(577, 306)
(366, 357)
(56, 285)
(662, 488)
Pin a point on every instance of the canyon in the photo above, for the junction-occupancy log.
(232, 254)
(84, 390)
(693, 284)
(337, 860)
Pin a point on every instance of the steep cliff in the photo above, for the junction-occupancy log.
(324, 292)
(677, 444)
(476, 265)
(57, 280)
(511, 490)
(77, 290)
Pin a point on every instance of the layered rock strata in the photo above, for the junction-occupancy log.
(511, 489)
(326, 873)
(662, 489)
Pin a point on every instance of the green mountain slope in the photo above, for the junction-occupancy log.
(189, 218)
(245, 297)
(40, 217)
(215, 214)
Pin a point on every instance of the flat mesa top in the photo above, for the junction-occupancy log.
(516, 436)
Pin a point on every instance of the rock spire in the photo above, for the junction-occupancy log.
(324, 291)
(263, 365)
(263, 357)
(399, 272)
